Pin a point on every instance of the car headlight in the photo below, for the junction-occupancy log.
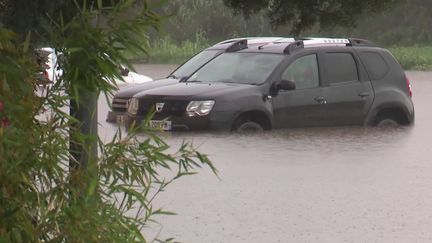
(201, 108)
(133, 106)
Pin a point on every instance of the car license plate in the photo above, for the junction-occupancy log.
(120, 119)
(162, 125)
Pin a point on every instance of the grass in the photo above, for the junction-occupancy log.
(414, 57)
(166, 51)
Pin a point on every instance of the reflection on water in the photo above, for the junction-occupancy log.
(297, 143)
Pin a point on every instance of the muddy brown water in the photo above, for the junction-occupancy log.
(338, 184)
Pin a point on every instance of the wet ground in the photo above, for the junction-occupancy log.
(342, 184)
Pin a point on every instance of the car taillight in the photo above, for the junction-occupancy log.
(408, 85)
(45, 74)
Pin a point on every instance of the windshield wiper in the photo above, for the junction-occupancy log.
(190, 81)
(183, 79)
(229, 82)
(173, 76)
(235, 82)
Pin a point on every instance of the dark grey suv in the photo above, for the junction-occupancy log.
(120, 99)
(298, 83)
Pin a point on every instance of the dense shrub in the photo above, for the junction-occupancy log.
(46, 193)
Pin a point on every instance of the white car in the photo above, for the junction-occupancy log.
(53, 71)
(130, 77)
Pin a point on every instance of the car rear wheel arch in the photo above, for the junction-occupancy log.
(396, 114)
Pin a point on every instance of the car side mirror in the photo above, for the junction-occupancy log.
(124, 71)
(282, 85)
(286, 85)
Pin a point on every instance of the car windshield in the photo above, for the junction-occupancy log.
(194, 63)
(245, 68)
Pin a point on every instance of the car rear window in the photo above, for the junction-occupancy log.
(375, 64)
(340, 67)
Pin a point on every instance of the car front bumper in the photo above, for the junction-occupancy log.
(220, 121)
(113, 116)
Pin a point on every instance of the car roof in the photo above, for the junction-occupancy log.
(223, 45)
(285, 45)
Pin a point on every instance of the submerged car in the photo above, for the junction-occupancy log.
(306, 82)
(120, 99)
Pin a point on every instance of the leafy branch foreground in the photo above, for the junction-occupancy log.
(43, 201)
(44, 195)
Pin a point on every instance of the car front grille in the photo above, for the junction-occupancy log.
(119, 104)
(171, 108)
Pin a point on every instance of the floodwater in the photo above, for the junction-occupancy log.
(339, 184)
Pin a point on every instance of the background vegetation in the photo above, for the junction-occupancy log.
(195, 24)
(47, 193)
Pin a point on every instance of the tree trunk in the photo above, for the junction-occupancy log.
(83, 140)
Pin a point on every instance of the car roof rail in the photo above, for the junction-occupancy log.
(314, 42)
(318, 42)
(336, 41)
(322, 42)
(251, 40)
(237, 46)
(285, 40)
(360, 42)
(293, 46)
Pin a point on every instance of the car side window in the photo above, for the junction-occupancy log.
(303, 72)
(340, 67)
(375, 64)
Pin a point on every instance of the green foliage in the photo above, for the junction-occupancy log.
(19, 102)
(401, 22)
(210, 19)
(304, 14)
(92, 42)
(166, 50)
(42, 198)
(407, 23)
(24, 16)
(414, 57)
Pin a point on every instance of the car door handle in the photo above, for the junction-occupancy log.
(363, 94)
(321, 100)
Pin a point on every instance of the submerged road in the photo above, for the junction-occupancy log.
(341, 184)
